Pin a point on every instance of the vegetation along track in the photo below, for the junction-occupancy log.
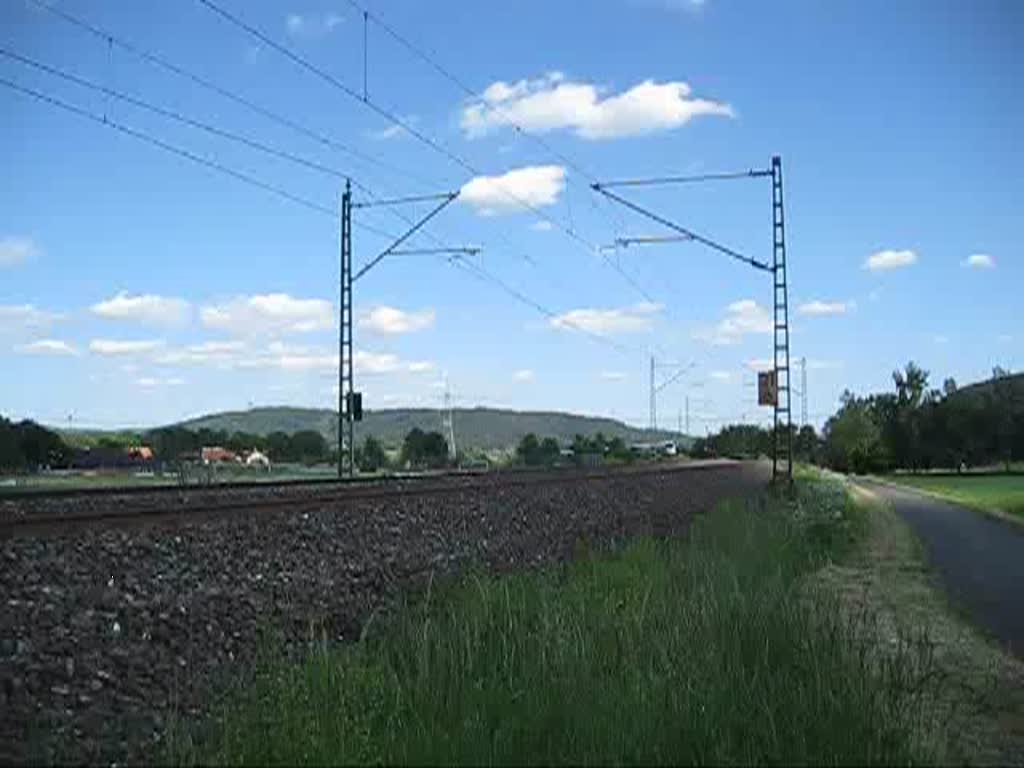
(41, 513)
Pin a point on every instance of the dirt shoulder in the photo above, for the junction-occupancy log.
(978, 702)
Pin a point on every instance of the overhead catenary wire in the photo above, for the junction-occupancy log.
(226, 93)
(287, 122)
(417, 134)
(183, 153)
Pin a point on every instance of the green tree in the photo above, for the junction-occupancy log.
(372, 456)
(425, 449)
(308, 446)
(853, 439)
(528, 451)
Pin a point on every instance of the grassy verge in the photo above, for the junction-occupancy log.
(977, 705)
(711, 650)
(991, 493)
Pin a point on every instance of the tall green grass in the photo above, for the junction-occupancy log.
(707, 650)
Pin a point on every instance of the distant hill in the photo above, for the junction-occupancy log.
(1014, 384)
(480, 428)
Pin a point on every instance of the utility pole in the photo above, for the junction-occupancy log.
(782, 455)
(350, 402)
(448, 421)
(687, 414)
(653, 404)
(782, 446)
(346, 424)
(803, 391)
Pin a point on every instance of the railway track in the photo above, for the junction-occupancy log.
(61, 511)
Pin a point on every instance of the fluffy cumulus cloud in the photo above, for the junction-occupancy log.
(633, 319)
(818, 308)
(23, 317)
(979, 261)
(742, 317)
(889, 259)
(48, 347)
(270, 314)
(312, 25)
(392, 321)
(147, 309)
(113, 347)
(552, 102)
(523, 375)
(532, 186)
(17, 250)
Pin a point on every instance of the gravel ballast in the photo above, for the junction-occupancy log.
(107, 632)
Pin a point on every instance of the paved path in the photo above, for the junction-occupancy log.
(980, 559)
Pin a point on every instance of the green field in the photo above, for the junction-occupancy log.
(999, 493)
(703, 650)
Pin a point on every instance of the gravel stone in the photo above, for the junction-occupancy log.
(116, 628)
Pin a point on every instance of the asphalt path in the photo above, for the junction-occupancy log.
(979, 559)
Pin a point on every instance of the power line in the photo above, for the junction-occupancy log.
(418, 135)
(178, 151)
(168, 66)
(178, 116)
(482, 274)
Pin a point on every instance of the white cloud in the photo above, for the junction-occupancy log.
(612, 376)
(742, 317)
(825, 365)
(305, 359)
(979, 261)
(48, 347)
(552, 102)
(639, 317)
(817, 308)
(221, 353)
(889, 259)
(147, 309)
(269, 314)
(721, 375)
(17, 250)
(311, 26)
(147, 382)
(394, 130)
(112, 347)
(542, 226)
(531, 186)
(524, 374)
(19, 317)
(394, 321)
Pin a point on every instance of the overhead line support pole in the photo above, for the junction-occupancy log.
(346, 425)
(782, 451)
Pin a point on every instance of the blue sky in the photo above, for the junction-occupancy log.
(137, 287)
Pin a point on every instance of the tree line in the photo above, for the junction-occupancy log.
(918, 427)
(913, 427)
